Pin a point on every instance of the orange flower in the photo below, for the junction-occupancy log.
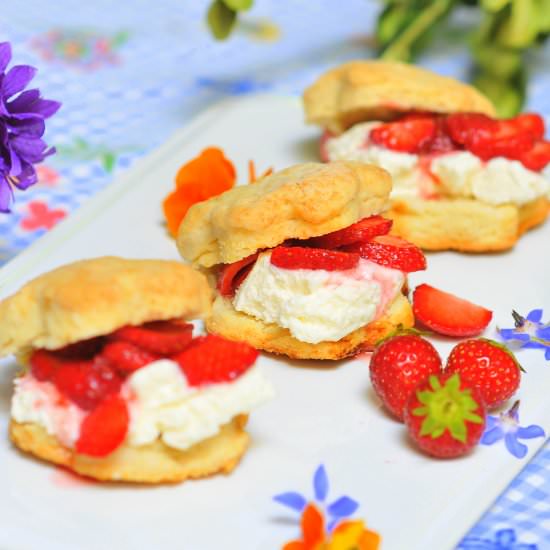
(348, 535)
(207, 175)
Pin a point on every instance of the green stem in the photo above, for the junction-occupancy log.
(399, 49)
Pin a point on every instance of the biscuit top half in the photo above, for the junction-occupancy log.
(95, 297)
(380, 90)
(303, 201)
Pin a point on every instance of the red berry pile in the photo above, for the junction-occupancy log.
(90, 373)
(443, 409)
(336, 251)
(520, 138)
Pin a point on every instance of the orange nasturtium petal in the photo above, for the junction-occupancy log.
(203, 177)
(313, 527)
(370, 540)
(294, 545)
(210, 165)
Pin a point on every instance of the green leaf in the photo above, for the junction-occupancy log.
(238, 5)
(221, 20)
(494, 5)
(420, 411)
(429, 425)
(521, 27)
(458, 430)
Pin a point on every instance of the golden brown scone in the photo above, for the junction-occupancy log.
(468, 225)
(380, 90)
(94, 297)
(153, 463)
(302, 201)
(234, 325)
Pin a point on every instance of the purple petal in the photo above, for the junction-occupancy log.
(320, 483)
(543, 333)
(16, 79)
(512, 334)
(492, 436)
(6, 195)
(31, 126)
(534, 316)
(491, 422)
(29, 149)
(44, 108)
(15, 163)
(19, 104)
(292, 500)
(5, 55)
(343, 507)
(519, 450)
(547, 354)
(27, 177)
(530, 432)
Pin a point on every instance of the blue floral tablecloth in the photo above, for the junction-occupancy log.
(130, 73)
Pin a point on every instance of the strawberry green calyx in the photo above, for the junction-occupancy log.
(446, 407)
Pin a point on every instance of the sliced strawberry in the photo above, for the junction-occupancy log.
(83, 350)
(363, 230)
(462, 127)
(299, 257)
(160, 337)
(391, 251)
(537, 157)
(448, 314)
(228, 278)
(86, 383)
(212, 359)
(407, 135)
(530, 123)
(105, 428)
(126, 357)
(44, 364)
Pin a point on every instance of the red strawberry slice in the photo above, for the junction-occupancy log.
(105, 428)
(462, 127)
(489, 366)
(445, 416)
(398, 365)
(212, 359)
(83, 350)
(44, 364)
(363, 230)
(537, 157)
(86, 383)
(530, 123)
(391, 251)
(408, 135)
(159, 337)
(448, 314)
(126, 357)
(232, 275)
(299, 257)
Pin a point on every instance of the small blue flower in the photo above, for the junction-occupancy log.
(337, 510)
(506, 426)
(505, 539)
(529, 332)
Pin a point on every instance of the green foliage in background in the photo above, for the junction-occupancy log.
(507, 30)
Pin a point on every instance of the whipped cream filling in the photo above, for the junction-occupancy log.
(316, 305)
(457, 174)
(160, 402)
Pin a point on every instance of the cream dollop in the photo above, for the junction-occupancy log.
(317, 305)
(460, 173)
(160, 401)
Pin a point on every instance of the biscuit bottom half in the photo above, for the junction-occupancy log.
(467, 225)
(234, 325)
(152, 463)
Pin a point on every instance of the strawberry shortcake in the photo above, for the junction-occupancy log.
(115, 385)
(462, 179)
(301, 261)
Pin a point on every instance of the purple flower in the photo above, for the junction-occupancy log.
(506, 426)
(505, 539)
(529, 332)
(22, 115)
(337, 510)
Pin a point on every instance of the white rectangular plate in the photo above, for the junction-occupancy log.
(321, 415)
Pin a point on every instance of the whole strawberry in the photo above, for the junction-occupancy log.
(489, 366)
(445, 416)
(398, 365)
